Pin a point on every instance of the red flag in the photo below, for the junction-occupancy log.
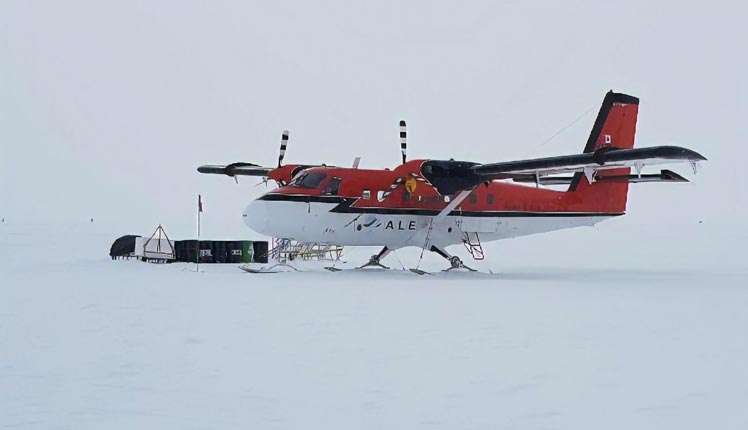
(199, 203)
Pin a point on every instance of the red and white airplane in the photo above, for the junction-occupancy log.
(433, 204)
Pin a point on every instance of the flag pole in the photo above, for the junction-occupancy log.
(197, 253)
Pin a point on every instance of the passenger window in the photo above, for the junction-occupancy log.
(366, 195)
(380, 195)
(332, 188)
(489, 199)
(473, 198)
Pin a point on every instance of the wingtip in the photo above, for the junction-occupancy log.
(693, 155)
(670, 176)
(681, 153)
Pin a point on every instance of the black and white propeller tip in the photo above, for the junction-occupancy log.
(284, 145)
(403, 140)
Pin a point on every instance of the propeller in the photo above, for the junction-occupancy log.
(250, 169)
(247, 169)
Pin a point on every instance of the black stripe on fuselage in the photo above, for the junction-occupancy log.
(344, 205)
(302, 198)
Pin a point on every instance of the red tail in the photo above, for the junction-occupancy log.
(614, 127)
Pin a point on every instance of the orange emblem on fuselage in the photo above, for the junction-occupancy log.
(410, 184)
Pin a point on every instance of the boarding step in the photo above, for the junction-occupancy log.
(473, 245)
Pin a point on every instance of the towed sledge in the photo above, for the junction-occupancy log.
(268, 269)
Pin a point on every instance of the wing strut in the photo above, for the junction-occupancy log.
(461, 196)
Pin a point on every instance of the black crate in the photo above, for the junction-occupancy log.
(219, 251)
(260, 249)
(234, 253)
(206, 251)
(185, 250)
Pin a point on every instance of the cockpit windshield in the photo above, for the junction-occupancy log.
(308, 180)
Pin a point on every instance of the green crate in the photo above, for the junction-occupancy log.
(247, 251)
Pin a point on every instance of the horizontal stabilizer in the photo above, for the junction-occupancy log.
(663, 176)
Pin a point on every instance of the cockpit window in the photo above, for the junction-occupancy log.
(332, 188)
(308, 180)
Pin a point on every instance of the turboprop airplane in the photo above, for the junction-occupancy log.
(433, 204)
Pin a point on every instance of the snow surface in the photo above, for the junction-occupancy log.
(107, 108)
(610, 341)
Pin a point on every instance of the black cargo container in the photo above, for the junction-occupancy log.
(234, 252)
(206, 251)
(221, 251)
(186, 250)
(260, 252)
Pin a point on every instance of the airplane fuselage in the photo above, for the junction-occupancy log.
(399, 208)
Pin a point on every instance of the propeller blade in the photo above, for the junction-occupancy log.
(284, 144)
(403, 140)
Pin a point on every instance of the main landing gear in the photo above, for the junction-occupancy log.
(454, 261)
(374, 261)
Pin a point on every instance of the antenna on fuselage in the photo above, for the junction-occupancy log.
(403, 140)
(284, 144)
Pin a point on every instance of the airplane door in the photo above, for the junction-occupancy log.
(487, 224)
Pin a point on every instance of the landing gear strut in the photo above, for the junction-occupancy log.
(374, 261)
(454, 261)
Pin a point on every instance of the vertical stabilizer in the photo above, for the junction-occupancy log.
(614, 128)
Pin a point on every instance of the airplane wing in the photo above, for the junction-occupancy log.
(450, 177)
(236, 169)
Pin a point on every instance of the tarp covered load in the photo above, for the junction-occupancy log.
(123, 247)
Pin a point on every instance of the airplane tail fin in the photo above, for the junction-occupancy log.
(614, 128)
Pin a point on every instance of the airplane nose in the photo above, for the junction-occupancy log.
(256, 216)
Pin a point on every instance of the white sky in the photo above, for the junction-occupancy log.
(107, 108)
